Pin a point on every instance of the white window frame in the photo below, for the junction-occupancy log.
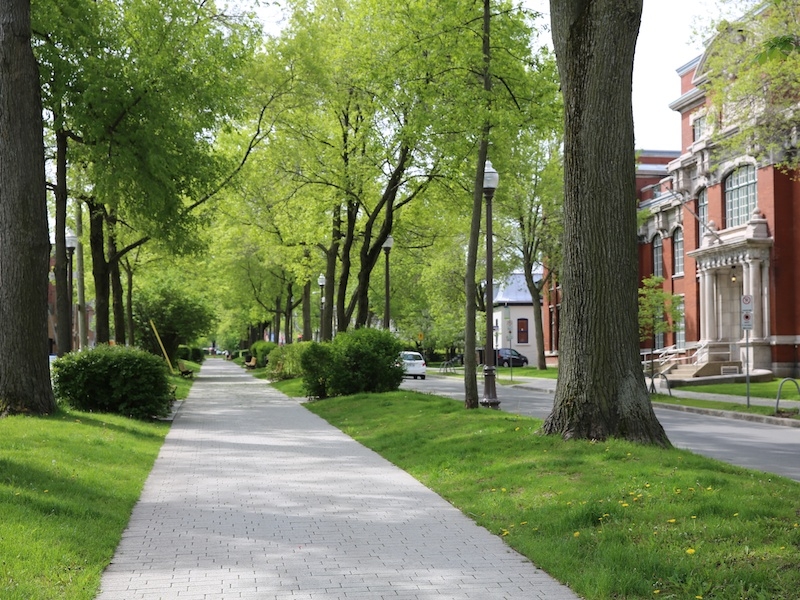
(677, 252)
(658, 256)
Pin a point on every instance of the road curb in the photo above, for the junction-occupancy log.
(730, 414)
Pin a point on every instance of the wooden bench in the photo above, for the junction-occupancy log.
(187, 373)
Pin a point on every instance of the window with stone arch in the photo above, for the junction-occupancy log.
(740, 196)
(677, 251)
(658, 256)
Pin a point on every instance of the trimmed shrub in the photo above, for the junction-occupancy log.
(285, 361)
(192, 353)
(364, 360)
(261, 351)
(114, 379)
(316, 364)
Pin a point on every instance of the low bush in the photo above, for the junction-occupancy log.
(284, 362)
(261, 351)
(192, 353)
(364, 360)
(113, 379)
(316, 364)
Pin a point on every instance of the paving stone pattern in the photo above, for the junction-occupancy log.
(254, 497)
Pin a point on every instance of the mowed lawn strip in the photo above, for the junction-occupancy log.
(610, 519)
(68, 484)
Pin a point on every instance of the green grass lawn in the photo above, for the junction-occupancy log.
(610, 519)
(741, 407)
(68, 484)
(767, 389)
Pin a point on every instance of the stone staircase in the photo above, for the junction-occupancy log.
(682, 372)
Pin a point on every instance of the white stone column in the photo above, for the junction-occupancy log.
(756, 290)
(711, 308)
(765, 322)
(703, 309)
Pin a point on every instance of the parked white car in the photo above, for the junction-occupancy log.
(413, 364)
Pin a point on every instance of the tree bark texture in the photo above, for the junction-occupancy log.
(61, 264)
(601, 390)
(100, 272)
(24, 241)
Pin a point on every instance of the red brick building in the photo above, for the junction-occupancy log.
(717, 230)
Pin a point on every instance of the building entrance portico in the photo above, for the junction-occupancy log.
(731, 264)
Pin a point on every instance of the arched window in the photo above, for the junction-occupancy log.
(740, 195)
(658, 256)
(677, 252)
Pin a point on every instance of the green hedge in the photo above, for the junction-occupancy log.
(114, 379)
(261, 351)
(285, 361)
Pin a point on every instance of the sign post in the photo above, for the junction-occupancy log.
(747, 326)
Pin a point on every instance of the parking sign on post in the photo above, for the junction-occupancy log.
(747, 312)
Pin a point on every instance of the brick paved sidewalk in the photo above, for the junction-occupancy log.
(254, 497)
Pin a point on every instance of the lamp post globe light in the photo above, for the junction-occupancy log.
(387, 246)
(490, 181)
(321, 283)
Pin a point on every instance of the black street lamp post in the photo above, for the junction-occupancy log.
(321, 282)
(490, 181)
(387, 246)
(71, 243)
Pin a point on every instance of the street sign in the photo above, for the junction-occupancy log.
(747, 302)
(747, 320)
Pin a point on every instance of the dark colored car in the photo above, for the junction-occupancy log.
(508, 357)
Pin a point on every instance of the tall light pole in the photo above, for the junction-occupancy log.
(321, 283)
(490, 181)
(387, 246)
(71, 243)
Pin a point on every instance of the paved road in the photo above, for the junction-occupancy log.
(254, 497)
(769, 448)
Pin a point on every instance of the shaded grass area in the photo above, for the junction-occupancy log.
(765, 389)
(68, 484)
(610, 519)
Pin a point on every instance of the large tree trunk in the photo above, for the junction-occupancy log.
(115, 279)
(102, 307)
(24, 244)
(63, 293)
(601, 390)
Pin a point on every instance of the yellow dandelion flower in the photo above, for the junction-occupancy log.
(647, 485)
(503, 490)
(517, 429)
(576, 534)
(523, 523)
(690, 551)
(656, 591)
(670, 520)
(699, 597)
(625, 505)
(735, 514)
(694, 516)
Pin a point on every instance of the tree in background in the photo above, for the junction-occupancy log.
(601, 390)
(659, 312)
(752, 68)
(24, 245)
(180, 317)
